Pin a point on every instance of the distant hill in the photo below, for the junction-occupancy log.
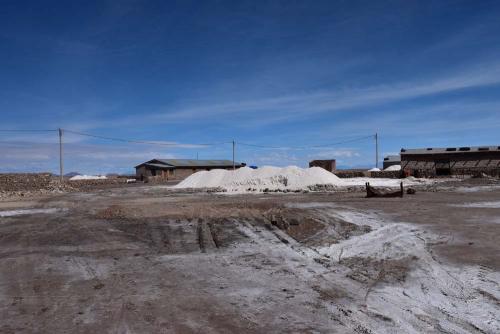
(71, 174)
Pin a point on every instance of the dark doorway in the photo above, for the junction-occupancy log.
(443, 168)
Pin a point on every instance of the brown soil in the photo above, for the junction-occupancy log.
(147, 260)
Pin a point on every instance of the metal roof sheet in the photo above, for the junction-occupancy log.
(194, 162)
(392, 158)
(158, 165)
(442, 150)
(172, 163)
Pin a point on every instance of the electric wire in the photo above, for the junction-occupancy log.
(306, 147)
(195, 145)
(132, 141)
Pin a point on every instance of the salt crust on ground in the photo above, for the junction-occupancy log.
(12, 213)
(87, 177)
(434, 295)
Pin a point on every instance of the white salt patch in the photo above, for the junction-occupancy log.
(375, 169)
(492, 205)
(385, 182)
(432, 292)
(88, 177)
(12, 213)
(474, 189)
(393, 168)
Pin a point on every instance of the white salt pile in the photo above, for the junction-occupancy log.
(87, 177)
(393, 168)
(375, 169)
(272, 178)
(285, 179)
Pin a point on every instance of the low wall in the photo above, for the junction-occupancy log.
(495, 172)
(156, 179)
(345, 174)
(36, 182)
(83, 184)
(389, 174)
(430, 173)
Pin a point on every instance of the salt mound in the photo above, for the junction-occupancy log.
(87, 177)
(393, 168)
(375, 169)
(272, 178)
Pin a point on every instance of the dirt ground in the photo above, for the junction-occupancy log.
(145, 259)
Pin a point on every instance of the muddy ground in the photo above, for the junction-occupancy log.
(144, 259)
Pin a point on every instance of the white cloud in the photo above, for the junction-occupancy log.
(335, 154)
(306, 104)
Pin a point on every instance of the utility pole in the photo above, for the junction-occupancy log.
(61, 179)
(234, 166)
(376, 149)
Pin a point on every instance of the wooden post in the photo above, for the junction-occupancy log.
(61, 177)
(234, 165)
(376, 150)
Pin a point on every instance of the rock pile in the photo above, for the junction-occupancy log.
(18, 185)
(25, 181)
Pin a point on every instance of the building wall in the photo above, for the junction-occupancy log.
(390, 163)
(329, 165)
(177, 174)
(460, 163)
(142, 173)
(182, 173)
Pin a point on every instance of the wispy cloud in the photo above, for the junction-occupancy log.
(97, 159)
(290, 107)
(340, 153)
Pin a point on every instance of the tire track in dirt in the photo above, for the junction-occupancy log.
(205, 239)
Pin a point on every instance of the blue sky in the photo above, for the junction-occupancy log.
(275, 73)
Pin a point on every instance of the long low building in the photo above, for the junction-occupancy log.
(451, 161)
(178, 169)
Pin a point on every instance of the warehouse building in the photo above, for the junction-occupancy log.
(179, 169)
(428, 162)
(329, 165)
(392, 160)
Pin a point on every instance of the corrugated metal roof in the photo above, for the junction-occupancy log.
(172, 163)
(194, 162)
(158, 165)
(464, 149)
(392, 158)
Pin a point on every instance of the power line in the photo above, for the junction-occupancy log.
(306, 147)
(3, 130)
(185, 145)
(195, 145)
